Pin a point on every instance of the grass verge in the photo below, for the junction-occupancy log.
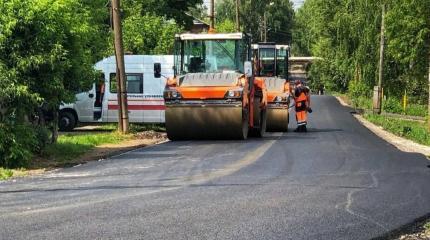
(389, 105)
(71, 147)
(412, 130)
(5, 173)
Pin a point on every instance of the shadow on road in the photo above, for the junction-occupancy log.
(324, 130)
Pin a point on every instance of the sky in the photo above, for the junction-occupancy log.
(297, 3)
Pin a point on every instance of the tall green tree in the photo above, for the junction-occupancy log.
(346, 34)
(279, 15)
(149, 34)
(47, 52)
(170, 9)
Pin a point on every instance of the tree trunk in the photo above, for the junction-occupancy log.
(55, 126)
(212, 16)
(429, 95)
(237, 16)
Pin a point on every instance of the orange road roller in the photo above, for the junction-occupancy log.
(273, 69)
(214, 94)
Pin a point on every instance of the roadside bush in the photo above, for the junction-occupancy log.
(358, 92)
(43, 137)
(17, 145)
(392, 105)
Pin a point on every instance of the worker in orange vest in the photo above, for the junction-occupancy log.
(302, 101)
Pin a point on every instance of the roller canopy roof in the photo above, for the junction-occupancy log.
(211, 36)
(270, 45)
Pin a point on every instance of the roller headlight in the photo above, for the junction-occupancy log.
(231, 93)
(234, 93)
(171, 94)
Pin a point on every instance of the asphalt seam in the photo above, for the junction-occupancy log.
(350, 201)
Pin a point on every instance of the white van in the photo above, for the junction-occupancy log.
(144, 93)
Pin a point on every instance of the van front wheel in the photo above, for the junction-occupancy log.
(66, 121)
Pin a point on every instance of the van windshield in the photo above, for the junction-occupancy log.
(210, 56)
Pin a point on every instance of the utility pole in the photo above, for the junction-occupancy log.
(120, 74)
(212, 16)
(377, 91)
(237, 15)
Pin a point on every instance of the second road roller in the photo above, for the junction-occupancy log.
(214, 94)
(272, 67)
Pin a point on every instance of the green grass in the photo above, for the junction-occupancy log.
(389, 106)
(427, 226)
(135, 128)
(70, 146)
(108, 127)
(417, 110)
(413, 130)
(5, 173)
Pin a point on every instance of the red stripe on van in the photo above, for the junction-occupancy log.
(139, 107)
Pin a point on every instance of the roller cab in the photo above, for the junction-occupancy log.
(272, 66)
(214, 94)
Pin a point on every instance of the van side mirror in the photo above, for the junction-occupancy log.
(157, 70)
(247, 67)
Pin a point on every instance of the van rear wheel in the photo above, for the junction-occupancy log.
(66, 121)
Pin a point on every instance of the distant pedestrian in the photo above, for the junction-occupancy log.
(321, 90)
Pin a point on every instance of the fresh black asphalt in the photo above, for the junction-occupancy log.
(338, 181)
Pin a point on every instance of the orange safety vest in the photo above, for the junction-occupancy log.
(301, 104)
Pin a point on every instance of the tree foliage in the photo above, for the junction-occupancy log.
(170, 9)
(46, 55)
(279, 15)
(346, 33)
(48, 49)
(149, 34)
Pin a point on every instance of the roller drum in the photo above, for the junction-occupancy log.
(206, 122)
(277, 119)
